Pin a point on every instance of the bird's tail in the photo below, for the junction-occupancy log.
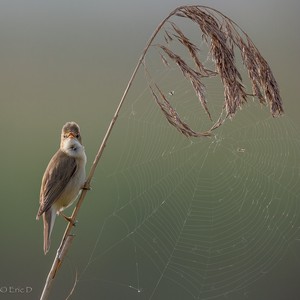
(49, 219)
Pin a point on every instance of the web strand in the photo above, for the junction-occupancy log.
(201, 218)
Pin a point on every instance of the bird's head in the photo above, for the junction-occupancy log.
(70, 130)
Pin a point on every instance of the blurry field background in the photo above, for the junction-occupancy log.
(70, 61)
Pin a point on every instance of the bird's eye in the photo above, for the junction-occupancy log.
(77, 135)
(65, 136)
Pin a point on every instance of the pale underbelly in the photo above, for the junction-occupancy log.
(69, 195)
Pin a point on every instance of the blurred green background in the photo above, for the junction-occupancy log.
(71, 60)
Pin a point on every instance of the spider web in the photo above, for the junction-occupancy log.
(192, 218)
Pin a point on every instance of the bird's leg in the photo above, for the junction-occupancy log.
(68, 219)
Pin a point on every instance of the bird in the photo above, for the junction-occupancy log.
(63, 179)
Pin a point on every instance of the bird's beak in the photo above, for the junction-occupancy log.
(71, 135)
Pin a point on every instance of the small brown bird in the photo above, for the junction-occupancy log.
(63, 179)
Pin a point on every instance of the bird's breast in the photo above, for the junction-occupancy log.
(74, 186)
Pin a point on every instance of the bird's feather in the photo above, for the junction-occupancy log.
(58, 174)
(49, 219)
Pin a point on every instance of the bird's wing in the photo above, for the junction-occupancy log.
(59, 172)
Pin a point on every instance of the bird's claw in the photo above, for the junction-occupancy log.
(86, 186)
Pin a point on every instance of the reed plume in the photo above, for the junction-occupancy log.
(223, 38)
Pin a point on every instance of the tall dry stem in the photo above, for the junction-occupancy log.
(222, 35)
